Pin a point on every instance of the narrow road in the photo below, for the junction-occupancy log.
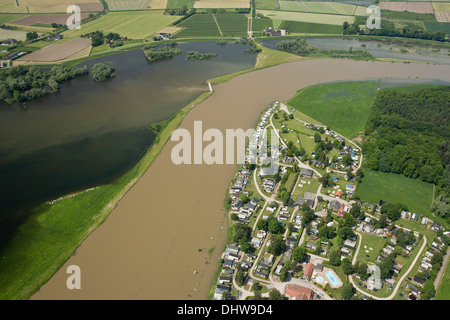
(399, 281)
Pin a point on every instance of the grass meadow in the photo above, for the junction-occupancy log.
(394, 188)
(344, 107)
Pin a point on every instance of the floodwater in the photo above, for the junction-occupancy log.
(148, 248)
(397, 49)
(90, 133)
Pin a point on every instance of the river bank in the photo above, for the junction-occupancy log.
(148, 248)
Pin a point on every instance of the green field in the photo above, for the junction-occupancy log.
(7, 18)
(344, 107)
(394, 188)
(199, 25)
(261, 24)
(308, 27)
(132, 24)
(176, 4)
(12, 34)
(232, 25)
(443, 292)
(115, 5)
(435, 26)
(308, 17)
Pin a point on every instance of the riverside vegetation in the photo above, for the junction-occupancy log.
(300, 47)
(20, 84)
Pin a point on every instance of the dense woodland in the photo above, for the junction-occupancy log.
(19, 84)
(408, 133)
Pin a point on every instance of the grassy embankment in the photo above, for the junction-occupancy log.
(54, 231)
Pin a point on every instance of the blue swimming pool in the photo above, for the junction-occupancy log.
(334, 281)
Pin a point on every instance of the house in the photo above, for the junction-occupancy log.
(374, 283)
(232, 249)
(397, 267)
(307, 172)
(276, 32)
(55, 37)
(308, 271)
(350, 243)
(228, 263)
(297, 292)
(235, 205)
(308, 197)
(413, 289)
(419, 280)
(311, 246)
(163, 36)
(343, 209)
(350, 187)
(224, 279)
(338, 193)
(334, 205)
(220, 290)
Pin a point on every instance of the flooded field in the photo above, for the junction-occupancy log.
(163, 239)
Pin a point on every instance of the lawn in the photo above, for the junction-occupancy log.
(389, 187)
(344, 107)
(132, 24)
(370, 241)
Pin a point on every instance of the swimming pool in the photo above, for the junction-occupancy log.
(319, 279)
(334, 281)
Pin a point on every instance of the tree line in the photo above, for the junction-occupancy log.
(407, 133)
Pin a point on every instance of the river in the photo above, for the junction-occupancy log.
(90, 133)
(163, 228)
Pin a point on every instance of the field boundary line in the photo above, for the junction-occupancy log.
(217, 24)
(326, 4)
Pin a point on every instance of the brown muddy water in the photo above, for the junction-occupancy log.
(148, 248)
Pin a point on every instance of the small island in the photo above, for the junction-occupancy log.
(101, 72)
(153, 53)
(194, 55)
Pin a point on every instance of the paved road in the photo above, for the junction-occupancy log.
(399, 281)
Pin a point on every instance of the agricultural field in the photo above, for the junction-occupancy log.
(232, 25)
(132, 24)
(45, 19)
(176, 4)
(394, 188)
(47, 6)
(12, 34)
(58, 51)
(308, 27)
(442, 11)
(308, 17)
(199, 25)
(437, 26)
(417, 7)
(9, 18)
(261, 23)
(118, 5)
(267, 4)
(344, 107)
(226, 4)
